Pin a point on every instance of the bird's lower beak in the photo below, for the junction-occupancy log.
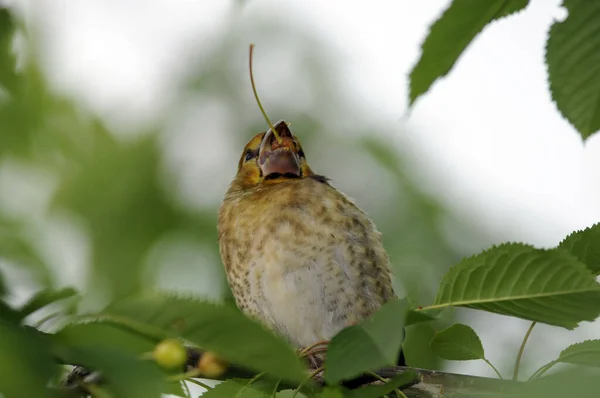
(279, 158)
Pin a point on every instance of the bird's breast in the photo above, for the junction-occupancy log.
(307, 264)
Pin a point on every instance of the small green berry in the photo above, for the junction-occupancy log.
(170, 354)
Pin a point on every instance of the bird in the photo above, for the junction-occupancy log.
(300, 256)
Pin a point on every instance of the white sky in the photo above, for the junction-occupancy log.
(500, 149)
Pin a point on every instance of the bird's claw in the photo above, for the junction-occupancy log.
(314, 353)
(314, 361)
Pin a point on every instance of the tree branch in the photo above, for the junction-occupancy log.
(431, 383)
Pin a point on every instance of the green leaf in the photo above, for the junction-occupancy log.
(417, 316)
(585, 245)
(123, 374)
(174, 388)
(399, 381)
(9, 314)
(548, 286)
(333, 392)
(26, 366)
(239, 388)
(106, 335)
(103, 334)
(586, 353)
(458, 343)
(368, 345)
(417, 346)
(572, 56)
(289, 394)
(44, 298)
(450, 35)
(220, 328)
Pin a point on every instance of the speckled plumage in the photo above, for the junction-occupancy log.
(299, 255)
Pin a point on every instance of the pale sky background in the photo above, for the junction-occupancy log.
(498, 148)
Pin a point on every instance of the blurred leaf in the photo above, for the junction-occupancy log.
(33, 119)
(384, 154)
(23, 114)
(15, 247)
(239, 388)
(368, 345)
(450, 35)
(399, 381)
(2, 285)
(215, 327)
(44, 298)
(9, 314)
(548, 286)
(26, 366)
(43, 128)
(417, 346)
(123, 374)
(103, 334)
(458, 343)
(289, 394)
(110, 335)
(415, 316)
(174, 388)
(117, 193)
(333, 392)
(585, 353)
(7, 58)
(573, 61)
(570, 383)
(585, 245)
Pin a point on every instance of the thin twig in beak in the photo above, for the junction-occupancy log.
(277, 137)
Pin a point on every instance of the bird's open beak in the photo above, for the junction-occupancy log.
(279, 158)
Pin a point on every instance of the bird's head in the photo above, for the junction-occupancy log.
(266, 160)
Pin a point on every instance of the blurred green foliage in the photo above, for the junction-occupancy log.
(122, 196)
(118, 193)
(26, 364)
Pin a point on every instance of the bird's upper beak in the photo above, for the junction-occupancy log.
(279, 158)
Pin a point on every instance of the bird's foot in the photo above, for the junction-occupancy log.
(319, 346)
(314, 353)
(314, 361)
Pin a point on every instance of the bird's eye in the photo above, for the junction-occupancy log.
(301, 153)
(249, 155)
